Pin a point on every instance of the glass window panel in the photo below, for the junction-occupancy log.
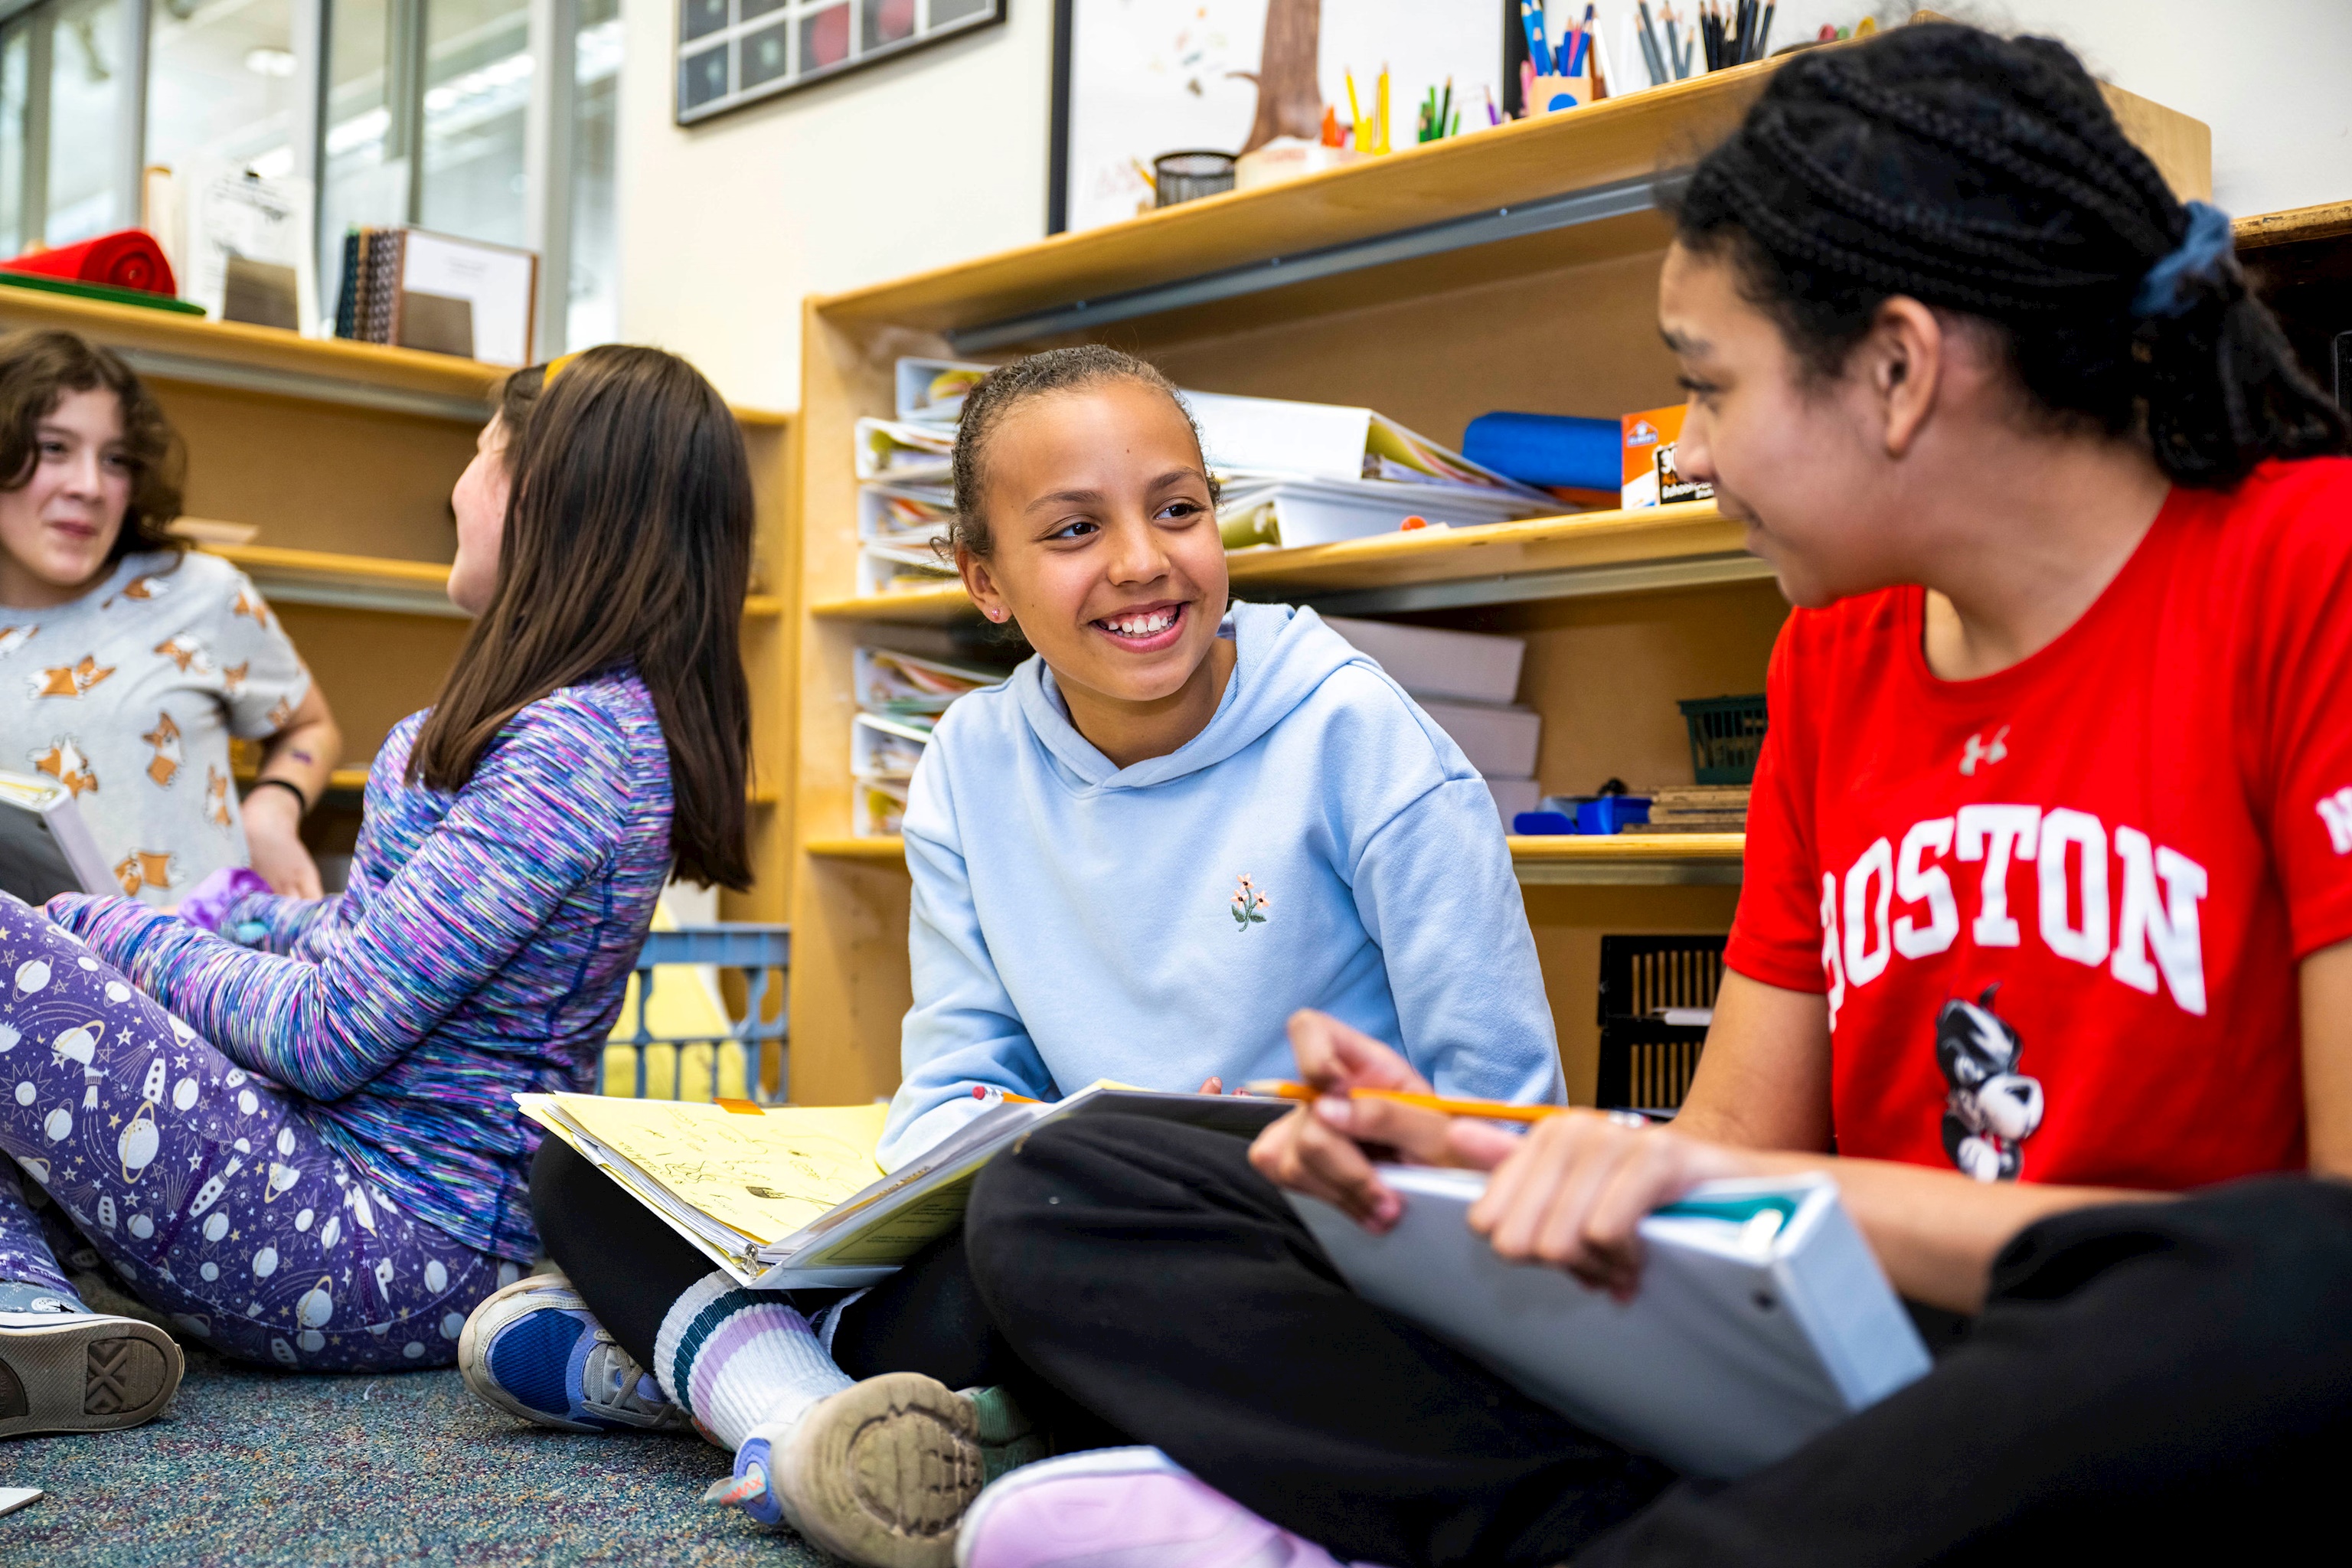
(752, 10)
(595, 313)
(946, 11)
(15, 78)
(697, 18)
(824, 39)
(85, 78)
(767, 54)
(477, 86)
(362, 182)
(885, 22)
(701, 78)
(222, 86)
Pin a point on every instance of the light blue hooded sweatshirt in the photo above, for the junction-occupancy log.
(1321, 844)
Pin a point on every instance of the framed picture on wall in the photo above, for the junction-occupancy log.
(1135, 78)
(735, 52)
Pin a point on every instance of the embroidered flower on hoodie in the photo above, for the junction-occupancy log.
(1249, 905)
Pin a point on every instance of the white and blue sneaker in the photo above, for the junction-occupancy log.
(534, 1351)
(64, 1368)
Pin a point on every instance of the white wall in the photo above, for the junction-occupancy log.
(899, 168)
(928, 160)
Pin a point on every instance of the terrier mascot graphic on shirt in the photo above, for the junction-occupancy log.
(1992, 1109)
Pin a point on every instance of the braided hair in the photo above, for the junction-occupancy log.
(1004, 389)
(1987, 176)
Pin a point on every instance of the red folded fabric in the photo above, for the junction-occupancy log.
(128, 258)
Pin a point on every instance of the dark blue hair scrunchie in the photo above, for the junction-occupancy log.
(2168, 288)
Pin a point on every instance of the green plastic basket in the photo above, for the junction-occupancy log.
(1726, 735)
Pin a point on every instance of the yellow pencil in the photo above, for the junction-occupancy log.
(1485, 1109)
(1356, 113)
(1382, 110)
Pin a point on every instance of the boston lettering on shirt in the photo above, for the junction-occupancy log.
(2056, 911)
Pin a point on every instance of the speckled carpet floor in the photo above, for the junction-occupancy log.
(263, 1469)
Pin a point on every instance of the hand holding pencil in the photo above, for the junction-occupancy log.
(1365, 1100)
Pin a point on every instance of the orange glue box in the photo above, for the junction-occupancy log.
(1650, 476)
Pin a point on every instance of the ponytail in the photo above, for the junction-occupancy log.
(1987, 177)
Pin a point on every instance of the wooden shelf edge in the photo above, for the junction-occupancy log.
(891, 850)
(1616, 139)
(2326, 220)
(373, 581)
(1625, 859)
(170, 346)
(1592, 542)
(1628, 860)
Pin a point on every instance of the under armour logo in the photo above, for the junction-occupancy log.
(1979, 750)
(2336, 810)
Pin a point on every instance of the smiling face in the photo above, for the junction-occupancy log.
(479, 501)
(1103, 546)
(57, 527)
(1804, 463)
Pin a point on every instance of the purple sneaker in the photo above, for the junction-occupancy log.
(1121, 1506)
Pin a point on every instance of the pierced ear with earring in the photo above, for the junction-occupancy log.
(995, 615)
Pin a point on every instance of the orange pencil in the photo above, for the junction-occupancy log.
(1485, 1109)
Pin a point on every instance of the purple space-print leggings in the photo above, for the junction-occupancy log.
(205, 1187)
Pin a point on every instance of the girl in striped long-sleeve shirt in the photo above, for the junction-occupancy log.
(288, 1123)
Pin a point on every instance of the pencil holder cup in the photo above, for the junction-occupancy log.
(1553, 93)
(1188, 176)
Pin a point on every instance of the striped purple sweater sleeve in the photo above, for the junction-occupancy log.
(285, 924)
(541, 814)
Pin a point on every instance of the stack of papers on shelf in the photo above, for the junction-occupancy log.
(1695, 809)
(1464, 681)
(1762, 1318)
(790, 1198)
(901, 697)
(898, 530)
(1274, 438)
(886, 748)
(899, 683)
(1287, 512)
(932, 391)
(904, 452)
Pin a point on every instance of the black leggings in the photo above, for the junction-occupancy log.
(2146, 1380)
(630, 1267)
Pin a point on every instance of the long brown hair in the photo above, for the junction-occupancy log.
(628, 540)
(38, 368)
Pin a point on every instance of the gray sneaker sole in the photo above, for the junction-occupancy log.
(72, 1373)
(881, 1472)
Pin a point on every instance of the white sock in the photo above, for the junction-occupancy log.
(739, 1359)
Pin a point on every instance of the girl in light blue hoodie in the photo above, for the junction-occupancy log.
(1180, 823)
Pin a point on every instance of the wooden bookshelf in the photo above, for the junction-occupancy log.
(1510, 268)
(342, 455)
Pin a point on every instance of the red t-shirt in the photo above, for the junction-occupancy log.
(2057, 911)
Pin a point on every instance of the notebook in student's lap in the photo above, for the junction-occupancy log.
(1762, 1316)
(786, 1199)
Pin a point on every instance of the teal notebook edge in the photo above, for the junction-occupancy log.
(106, 292)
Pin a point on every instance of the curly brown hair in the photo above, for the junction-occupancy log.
(1007, 387)
(37, 369)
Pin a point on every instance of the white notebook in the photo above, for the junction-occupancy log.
(1762, 1316)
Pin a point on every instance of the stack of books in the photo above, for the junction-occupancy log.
(423, 290)
(1695, 809)
(899, 700)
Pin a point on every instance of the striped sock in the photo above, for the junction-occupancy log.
(740, 1358)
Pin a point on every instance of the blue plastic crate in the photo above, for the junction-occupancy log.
(756, 951)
